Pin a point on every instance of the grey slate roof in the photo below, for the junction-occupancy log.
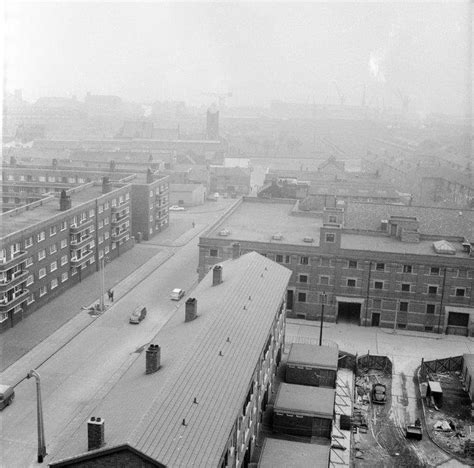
(146, 411)
(322, 357)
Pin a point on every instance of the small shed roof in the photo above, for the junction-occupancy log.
(469, 362)
(322, 357)
(277, 453)
(435, 387)
(304, 399)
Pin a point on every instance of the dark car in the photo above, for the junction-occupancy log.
(138, 314)
(379, 393)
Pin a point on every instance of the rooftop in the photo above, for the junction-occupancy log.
(259, 221)
(318, 356)
(184, 187)
(277, 453)
(313, 401)
(151, 421)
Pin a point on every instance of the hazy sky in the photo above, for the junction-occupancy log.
(259, 51)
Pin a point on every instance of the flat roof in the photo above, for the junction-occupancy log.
(146, 411)
(435, 386)
(323, 357)
(259, 221)
(313, 401)
(279, 453)
(390, 244)
(11, 222)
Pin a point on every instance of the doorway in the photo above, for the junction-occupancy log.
(289, 299)
(375, 319)
(348, 312)
(458, 324)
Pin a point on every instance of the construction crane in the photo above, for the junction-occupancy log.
(221, 97)
(342, 98)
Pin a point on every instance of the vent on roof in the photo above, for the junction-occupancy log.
(277, 236)
(224, 232)
(190, 309)
(216, 275)
(308, 240)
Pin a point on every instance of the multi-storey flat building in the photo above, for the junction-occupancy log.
(49, 245)
(371, 264)
(197, 397)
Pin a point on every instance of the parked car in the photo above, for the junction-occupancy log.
(177, 294)
(379, 393)
(7, 395)
(138, 314)
(176, 208)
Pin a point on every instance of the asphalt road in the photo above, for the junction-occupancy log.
(85, 367)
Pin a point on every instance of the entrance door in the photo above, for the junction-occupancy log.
(458, 323)
(375, 319)
(348, 312)
(289, 299)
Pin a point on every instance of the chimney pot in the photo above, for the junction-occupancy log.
(216, 275)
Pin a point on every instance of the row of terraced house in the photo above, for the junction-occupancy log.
(66, 223)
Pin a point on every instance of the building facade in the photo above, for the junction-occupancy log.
(369, 264)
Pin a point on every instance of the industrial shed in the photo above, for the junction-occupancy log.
(312, 365)
(278, 453)
(304, 410)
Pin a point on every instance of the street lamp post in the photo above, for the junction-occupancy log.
(102, 284)
(39, 414)
(323, 301)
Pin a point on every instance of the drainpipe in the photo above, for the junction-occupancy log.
(39, 409)
(367, 295)
(442, 300)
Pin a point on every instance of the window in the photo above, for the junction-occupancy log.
(460, 292)
(106, 205)
(30, 280)
(63, 260)
(407, 269)
(332, 219)
(54, 266)
(287, 258)
(428, 328)
(351, 283)
(53, 230)
(64, 277)
(54, 283)
(301, 297)
(405, 287)
(3, 317)
(430, 308)
(304, 260)
(28, 242)
(403, 306)
(42, 273)
(107, 249)
(40, 236)
(101, 208)
(106, 221)
(29, 261)
(63, 243)
(213, 252)
(106, 235)
(434, 271)
(378, 284)
(53, 248)
(303, 278)
(42, 291)
(380, 266)
(279, 258)
(377, 303)
(91, 213)
(31, 299)
(432, 289)
(101, 224)
(352, 264)
(330, 237)
(324, 280)
(101, 239)
(151, 193)
(41, 254)
(63, 225)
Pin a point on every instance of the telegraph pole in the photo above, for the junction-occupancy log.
(323, 300)
(102, 284)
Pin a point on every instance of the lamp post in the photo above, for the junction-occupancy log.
(39, 414)
(323, 301)
(102, 284)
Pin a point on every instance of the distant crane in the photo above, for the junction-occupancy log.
(342, 98)
(221, 97)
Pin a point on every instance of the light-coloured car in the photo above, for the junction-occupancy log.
(176, 208)
(7, 395)
(177, 294)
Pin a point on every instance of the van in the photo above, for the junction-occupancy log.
(138, 314)
(7, 395)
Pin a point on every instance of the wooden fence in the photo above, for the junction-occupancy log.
(369, 361)
(450, 364)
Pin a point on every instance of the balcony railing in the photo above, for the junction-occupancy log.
(77, 262)
(14, 301)
(116, 220)
(12, 262)
(15, 280)
(120, 235)
(121, 207)
(78, 244)
(75, 228)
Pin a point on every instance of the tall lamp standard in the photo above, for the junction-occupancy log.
(323, 301)
(102, 283)
(39, 413)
